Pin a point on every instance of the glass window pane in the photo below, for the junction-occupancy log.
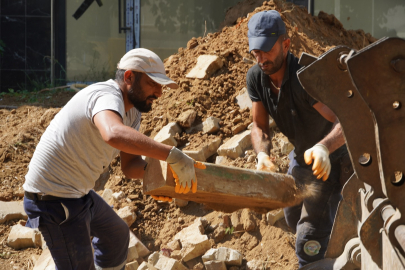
(380, 18)
(93, 44)
(167, 25)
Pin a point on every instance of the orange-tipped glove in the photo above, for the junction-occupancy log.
(265, 164)
(320, 154)
(161, 198)
(182, 167)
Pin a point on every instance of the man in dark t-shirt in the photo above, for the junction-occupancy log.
(310, 126)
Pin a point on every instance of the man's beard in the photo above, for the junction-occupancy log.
(137, 99)
(273, 67)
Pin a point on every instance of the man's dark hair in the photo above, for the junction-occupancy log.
(119, 75)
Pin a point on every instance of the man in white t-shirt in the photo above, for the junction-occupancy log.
(98, 123)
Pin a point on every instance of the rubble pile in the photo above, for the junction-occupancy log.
(209, 118)
(212, 104)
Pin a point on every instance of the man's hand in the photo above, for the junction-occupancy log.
(161, 198)
(320, 154)
(182, 167)
(264, 163)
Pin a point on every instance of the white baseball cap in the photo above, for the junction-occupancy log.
(144, 60)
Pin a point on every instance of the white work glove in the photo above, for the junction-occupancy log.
(182, 167)
(320, 154)
(264, 163)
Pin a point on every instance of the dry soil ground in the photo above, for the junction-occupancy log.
(156, 224)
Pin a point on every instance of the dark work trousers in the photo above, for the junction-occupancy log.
(67, 226)
(312, 220)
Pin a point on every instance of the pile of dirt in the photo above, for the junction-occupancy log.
(216, 96)
(157, 223)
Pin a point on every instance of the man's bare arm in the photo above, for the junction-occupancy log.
(335, 138)
(126, 139)
(260, 131)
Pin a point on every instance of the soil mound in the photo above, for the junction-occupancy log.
(216, 95)
(157, 223)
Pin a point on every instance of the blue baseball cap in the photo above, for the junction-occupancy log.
(264, 29)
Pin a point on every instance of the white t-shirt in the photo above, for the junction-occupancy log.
(71, 154)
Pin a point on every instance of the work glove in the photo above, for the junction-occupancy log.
(265, 164)
(183, 169)
(320, 154)
(161, 198)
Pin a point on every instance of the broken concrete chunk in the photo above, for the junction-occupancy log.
(146, 266)
(23, 237)
(236, 146)
(206, 151)
(285, 146)
(255, 264)
(197, 155)
(274, 216)
(180, 203)
(209, 255)
(166, 263)
(167, 133)
(186, 118)
(219, 160)
(132, 253)
(243, 99)
(194, 243)
(176, 254)
(234, 258)
(132, 266)
(174, 245)
(227, 255)
(212, 147)
(205, 67)
(221, 254)
(45, 261)
(12, 210)
(135, 248)
(153, 258)
(127, 215)
(107, 195)
(211, 125)
(194, 229)
(215, 265)
(118, 195)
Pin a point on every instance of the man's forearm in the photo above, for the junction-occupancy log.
(130, 141)
(260, 140)
(335, 138)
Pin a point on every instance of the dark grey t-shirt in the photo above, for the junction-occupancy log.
(292, 109)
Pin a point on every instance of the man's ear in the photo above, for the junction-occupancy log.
(128, 76)
(286, 45)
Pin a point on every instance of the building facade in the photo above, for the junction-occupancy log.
(54, 42)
